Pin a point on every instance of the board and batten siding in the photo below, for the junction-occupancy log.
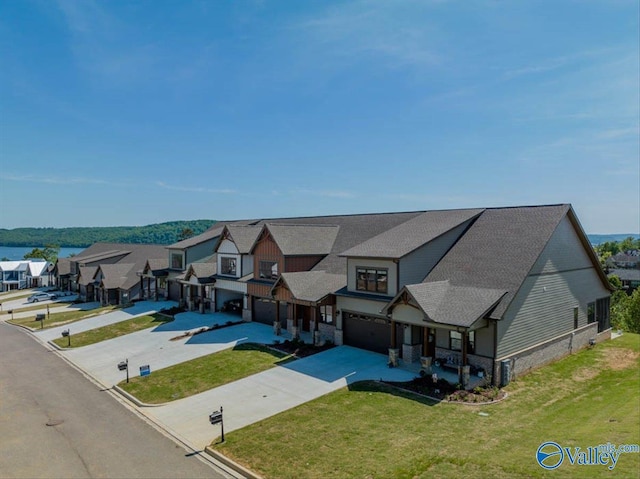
(389, 265)
(415, 266)
(563, 278)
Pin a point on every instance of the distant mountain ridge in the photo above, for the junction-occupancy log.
(159, 233)
(597, 239)
(82, 237)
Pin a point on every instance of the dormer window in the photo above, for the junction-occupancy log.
(268, 270)
(228, 266)
(372, 280)
(176, 261)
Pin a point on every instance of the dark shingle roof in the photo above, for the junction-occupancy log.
(115, 276)
(86, 275)
(304, 239)
(63, 266)
(445, 303)
(410, 235)
(627, 274)
(499, 249)
(244, 236)
(312, 285)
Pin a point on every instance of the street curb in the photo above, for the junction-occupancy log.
(232, 464)
(134, 399)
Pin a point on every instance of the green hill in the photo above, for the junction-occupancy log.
(161, 233)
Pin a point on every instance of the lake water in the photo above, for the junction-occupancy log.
(15, 253)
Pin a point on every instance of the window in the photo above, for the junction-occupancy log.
(176, 261)
(602, 314)
(372, 280)
(591, 313)
(455, 341)
(228, 266)
(268, 270)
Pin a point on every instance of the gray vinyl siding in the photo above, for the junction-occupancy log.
(418, 264)
(199, 251)
(563, 278)
(484, 340)
(543, 308)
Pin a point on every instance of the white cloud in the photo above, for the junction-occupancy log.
(56, 180)
(195, 189)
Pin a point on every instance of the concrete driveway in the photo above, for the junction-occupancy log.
(155, 347)
(262, 395)
(138, 309)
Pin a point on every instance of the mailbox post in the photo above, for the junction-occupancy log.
(11, 313)
(216, 418)
(40, 317)
(124, 366)
(67, 334)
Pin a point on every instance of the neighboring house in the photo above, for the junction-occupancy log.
(627, 259)
(110, 273)
(198, 283)
(181, 255)
(630, 278)
(153, 279)
(13, 275)
(37, 274)
(234, 265)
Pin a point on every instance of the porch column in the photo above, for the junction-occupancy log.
(277, 328)
(464, 347)
(394, 339)
(148, 288)
(156, 284)
(141, 287)
(202, 299)
(425, 341)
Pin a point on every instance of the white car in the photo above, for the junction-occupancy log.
(34, 298)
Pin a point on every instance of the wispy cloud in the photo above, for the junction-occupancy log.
(324, 193)
(56, 180)
(195, 189)
(385, 30)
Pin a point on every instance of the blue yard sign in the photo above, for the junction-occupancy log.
(145, 370)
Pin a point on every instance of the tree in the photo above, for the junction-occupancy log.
(185, 233)
(48, 253)
(632, 319)
(615, 281)
(619, 308)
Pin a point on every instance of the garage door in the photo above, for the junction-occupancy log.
(366, 332)
(264, 311)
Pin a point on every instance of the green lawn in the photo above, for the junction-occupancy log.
(114, 330)
(63, 317)
(200, 374)
(371, 430)
(37, 307)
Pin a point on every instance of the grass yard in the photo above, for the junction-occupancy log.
(371, 430)
(204, 373)
(57, 319)
(114, 330)
(38, 307)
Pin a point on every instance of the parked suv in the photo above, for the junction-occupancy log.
(34, 298)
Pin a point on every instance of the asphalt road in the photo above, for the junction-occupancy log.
(56, 423)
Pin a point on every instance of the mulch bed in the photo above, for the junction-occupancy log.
(445, 391)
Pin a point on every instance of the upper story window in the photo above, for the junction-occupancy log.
(268, 270)
(373, 280)
(228, 266)
(176, 261)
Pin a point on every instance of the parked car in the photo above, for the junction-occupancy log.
(34, 298)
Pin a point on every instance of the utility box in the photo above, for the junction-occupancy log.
(505, 372)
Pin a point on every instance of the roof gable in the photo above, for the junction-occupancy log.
(310, 286)
(302, 240)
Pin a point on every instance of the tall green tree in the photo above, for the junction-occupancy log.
(48, 253)
(185, 233)
(633, 313)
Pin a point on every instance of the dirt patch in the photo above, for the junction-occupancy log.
(585, 374)
(618, 358)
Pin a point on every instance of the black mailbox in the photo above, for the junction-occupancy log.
(65, 333)
(122, 365)
(215, 417)
(40, 317)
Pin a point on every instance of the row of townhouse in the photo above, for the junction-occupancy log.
(24, 274)
(501, 290)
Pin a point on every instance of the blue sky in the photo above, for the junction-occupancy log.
(138, 112)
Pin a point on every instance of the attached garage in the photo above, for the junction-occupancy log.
(366, 332)
(264, 311)
(230, 301)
